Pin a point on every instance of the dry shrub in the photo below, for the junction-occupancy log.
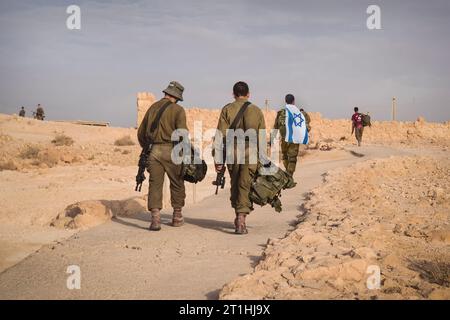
(30, 152)
(8, 165)
(434, 271)
(124, 141)
(48, 157)
(126, 152)
(62, 140)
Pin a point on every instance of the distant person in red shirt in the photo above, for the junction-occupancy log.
(357, 125)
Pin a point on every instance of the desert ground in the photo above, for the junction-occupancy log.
(67, 198)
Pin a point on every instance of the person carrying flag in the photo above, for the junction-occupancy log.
(293, 130)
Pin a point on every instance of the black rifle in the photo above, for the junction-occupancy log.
(220, 180)
(143, 158)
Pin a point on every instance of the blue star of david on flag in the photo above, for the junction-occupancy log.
(298, 121)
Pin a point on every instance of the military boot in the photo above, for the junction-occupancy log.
(239, 223)
(156, 220)
(177, 220)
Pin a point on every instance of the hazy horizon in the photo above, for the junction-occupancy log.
(320, 51)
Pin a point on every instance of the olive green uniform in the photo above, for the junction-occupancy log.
(40, 113)
(289, 151)
(160, 162)
(241, 175)
(308, 121)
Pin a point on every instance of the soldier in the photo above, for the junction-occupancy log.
(357, 125)
(22, 112)
(160, 162)
(290, 141)
(308, 120)
(241, 175)
(39, 114)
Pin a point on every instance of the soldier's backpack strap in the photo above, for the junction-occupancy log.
(239, 115)
(155, 122)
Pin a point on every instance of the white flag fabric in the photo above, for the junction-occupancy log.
(296, 131)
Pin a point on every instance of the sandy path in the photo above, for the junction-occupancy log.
(121, 259)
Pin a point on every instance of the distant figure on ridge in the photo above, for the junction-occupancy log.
(357, 125)
(39, 114)
(22, 112)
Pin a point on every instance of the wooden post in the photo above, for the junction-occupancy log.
(266, 102)
(394, 109)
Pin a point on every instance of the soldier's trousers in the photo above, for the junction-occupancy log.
(241, 176)
(160, 163)
(358, 134)
(289, 153)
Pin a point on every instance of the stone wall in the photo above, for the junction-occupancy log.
(144, 101)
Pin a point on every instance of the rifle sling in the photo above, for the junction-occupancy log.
(155, 122)
(239, 115)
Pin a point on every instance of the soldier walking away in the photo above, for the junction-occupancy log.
(357, 125)
(308, 120)
(22, 112)
(160, 120)
(39, 114)
(291, 123)
(239, 114)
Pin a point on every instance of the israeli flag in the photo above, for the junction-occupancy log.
(296, 131)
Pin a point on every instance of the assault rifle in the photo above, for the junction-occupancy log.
(220, 180)
(143, 158)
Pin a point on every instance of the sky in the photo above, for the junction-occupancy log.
(320, 51)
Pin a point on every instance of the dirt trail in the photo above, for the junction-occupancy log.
(121, 259)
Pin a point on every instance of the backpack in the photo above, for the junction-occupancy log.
(194, 172)
(267, 188)
(366, 120)
(281, 121)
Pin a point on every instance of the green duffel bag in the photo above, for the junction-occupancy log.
(266, 189)
(366, 120)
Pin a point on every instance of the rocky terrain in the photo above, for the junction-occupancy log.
(392, 215)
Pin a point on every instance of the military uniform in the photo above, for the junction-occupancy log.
(160, 161)
(40, 113)
(22, 112)
(308, 120)
(289, 151)
(241, 175)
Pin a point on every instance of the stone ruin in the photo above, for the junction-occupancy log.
(144, 101)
